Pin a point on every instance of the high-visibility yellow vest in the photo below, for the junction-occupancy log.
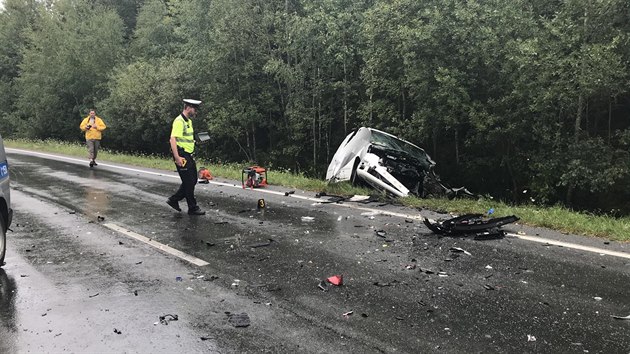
(184, 133)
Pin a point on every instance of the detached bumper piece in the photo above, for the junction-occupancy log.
(471, 225)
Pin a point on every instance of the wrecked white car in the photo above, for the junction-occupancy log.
(387, 163)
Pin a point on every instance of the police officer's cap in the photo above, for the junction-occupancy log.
(191, 102)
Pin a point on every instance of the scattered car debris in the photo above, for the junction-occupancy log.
(117, 331)
(238, 319)
(597, 298)
(381, 233)
(205, 338)
(100, 218)
(347, 314)
(286, 194)
(95, 295)
(165, 318)
(260, 244)
(308, 219)
(531, 338)
(387, 163)
(471, 224)
(323, 285)
(459, 250)
(336, 280)
(621, 317)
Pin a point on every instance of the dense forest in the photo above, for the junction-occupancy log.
(524, 100)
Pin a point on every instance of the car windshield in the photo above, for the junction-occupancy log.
(392, 143)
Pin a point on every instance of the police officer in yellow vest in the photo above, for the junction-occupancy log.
(182, 143)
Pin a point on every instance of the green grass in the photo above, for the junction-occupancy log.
(557, 218)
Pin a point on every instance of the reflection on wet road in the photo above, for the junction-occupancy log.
(85, 279)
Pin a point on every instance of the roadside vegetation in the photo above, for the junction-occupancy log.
(554, 217)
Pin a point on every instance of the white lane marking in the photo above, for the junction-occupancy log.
(162, 247)
(571, 245)
(400, 215)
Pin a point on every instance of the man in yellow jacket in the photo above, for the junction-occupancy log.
(92, 125)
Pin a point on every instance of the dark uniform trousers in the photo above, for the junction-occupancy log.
(188, 175)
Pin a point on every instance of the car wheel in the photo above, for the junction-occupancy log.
(3, 241)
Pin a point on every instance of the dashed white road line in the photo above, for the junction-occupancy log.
(162, 247)
(383, 212)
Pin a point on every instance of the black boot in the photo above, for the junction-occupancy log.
(196, 211)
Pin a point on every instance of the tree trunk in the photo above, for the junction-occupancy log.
(456, 147)
(345, 98)
(254, 143)
(609, 118)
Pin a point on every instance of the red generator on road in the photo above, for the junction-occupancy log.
(254, 177)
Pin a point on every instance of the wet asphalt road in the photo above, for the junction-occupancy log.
(73, 283)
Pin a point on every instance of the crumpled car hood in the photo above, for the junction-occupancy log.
(388, 163)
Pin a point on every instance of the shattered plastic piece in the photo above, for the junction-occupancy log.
(359, 198)
(621, 317)
(492, 234)
(260, 244)
(323, 285)
(531, 338)
(597, 298)
(117, 331)
(100, 218)
(95, 295)
(238, 319)
(348, 314)
(461, 250)
(469, 224)
(381, 233)
(336, 280)
(286, 194)
(178, 278)
(488, 287)
(164, 320)
(308, 218)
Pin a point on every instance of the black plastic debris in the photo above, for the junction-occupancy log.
(260, 244)
(471, 225)
(117, 331)
(165, 319)
(621, 317)
(95, 295)
(100, 218)
(238, 319)
(286, 194)
(323, 285)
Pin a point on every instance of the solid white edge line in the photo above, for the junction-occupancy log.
(162, 247)
(383, 212)
(570, 245)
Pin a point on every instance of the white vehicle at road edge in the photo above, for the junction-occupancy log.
(6, 213)
(387, 163)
